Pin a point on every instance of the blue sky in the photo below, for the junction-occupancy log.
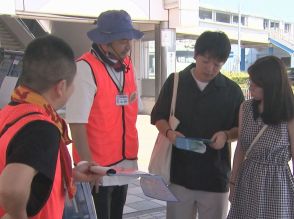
(275, 9)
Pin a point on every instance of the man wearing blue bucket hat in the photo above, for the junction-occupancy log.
(103, 110)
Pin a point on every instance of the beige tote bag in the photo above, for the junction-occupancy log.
(161, 155)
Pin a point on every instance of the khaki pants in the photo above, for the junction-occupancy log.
(207, 205)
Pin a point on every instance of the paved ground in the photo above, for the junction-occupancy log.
(139, 206)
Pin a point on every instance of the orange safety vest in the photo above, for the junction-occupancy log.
(111, 129)
(17, 117)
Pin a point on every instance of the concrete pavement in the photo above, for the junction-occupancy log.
(139, 206)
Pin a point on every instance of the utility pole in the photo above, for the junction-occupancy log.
(239, 36)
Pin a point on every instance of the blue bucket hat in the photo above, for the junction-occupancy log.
(113, 25)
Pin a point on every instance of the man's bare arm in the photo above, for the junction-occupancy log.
(80, 139)
(15, 188)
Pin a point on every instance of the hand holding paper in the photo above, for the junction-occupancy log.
(192, 144)
(83, 172)
(102, 170)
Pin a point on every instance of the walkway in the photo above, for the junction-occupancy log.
(139, 206)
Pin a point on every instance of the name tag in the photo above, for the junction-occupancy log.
(122, 100)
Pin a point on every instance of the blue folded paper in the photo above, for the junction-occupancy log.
(192, 144)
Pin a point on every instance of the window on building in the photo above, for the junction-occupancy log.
(10, 70)
(10, 64)
(149, 47)
(274, 25)
(205, 14)
(265, 23)
(222, 17)
(235, 19)
(287, 28)
(242, 20)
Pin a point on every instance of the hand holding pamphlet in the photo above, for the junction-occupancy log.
(152, 185)
(118, 171)
(197, 145)
(102, 170)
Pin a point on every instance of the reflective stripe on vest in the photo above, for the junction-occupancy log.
(19, 116)
(111, 129)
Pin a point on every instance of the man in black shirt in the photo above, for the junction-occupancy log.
(207, 107)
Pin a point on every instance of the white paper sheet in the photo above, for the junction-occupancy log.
(154, 186)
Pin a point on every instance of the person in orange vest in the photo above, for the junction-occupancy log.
(103, 110)
(35, 166)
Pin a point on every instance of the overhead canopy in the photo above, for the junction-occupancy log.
(139, 10)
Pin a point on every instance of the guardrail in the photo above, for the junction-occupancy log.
(246, 93)
(281, 35)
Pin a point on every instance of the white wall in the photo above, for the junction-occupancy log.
(255, 22)
(143, 10)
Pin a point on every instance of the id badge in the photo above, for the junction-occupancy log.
(122, 100)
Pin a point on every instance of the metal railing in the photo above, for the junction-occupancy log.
(246, 93)
(281, 35)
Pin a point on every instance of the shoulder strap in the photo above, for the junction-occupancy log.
(255, 140)
(174, 98)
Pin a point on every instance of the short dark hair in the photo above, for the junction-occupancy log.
(46, 61)
(270, 74)
(214, 43)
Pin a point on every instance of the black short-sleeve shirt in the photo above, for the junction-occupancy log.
(36, 145)
(201, 114)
